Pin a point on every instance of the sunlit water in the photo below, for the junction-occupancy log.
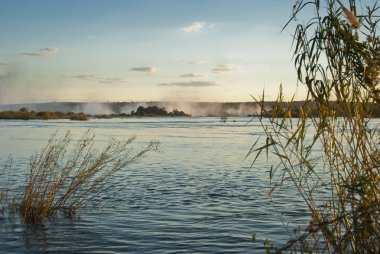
(199, 194)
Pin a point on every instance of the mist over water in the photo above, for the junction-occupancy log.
(98, 108)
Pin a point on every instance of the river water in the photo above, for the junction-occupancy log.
(199, 195)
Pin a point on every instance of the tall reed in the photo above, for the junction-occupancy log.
(68, 175)
(333, 162)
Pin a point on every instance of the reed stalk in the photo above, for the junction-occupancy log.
(67, 175)
(331, 152)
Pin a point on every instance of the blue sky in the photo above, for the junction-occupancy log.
(144, 50)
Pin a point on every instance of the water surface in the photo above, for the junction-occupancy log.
(198, 195)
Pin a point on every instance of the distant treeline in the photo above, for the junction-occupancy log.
(25, 114)
(273, 110)
(294, 110)
(150, 111)
(118, 108)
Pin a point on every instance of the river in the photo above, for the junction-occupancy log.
(199, 194)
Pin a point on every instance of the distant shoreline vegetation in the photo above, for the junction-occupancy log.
(289, 110)
(153, 111)
(25, 114)
(274, 111)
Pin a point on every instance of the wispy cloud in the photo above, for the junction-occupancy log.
(101, 80)
(222, 68)
(236, 56)
(147, 70)
(191, 84)
(197, 27)
(42, 52)
(192, 75)
(197, 62)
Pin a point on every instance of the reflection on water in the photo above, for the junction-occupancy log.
(198, 195)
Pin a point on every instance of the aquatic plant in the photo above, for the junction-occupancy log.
(333, 162)
(67, 175)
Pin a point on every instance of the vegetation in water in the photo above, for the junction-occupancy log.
(67, 175)
(331, 153)
(152, 111)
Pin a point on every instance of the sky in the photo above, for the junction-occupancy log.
(144, 50)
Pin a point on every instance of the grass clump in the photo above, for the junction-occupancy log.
(68, 175)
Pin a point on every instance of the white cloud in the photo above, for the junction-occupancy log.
(43, 52)
(194, 27)
(191, 84)
(101, 80)
(222, 68)
(147, 70)
(197, 27)
(192, 75)
(105, 80)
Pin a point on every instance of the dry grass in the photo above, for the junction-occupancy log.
(351, 18)
(68, 175)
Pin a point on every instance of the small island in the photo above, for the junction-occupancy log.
(154, 111)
